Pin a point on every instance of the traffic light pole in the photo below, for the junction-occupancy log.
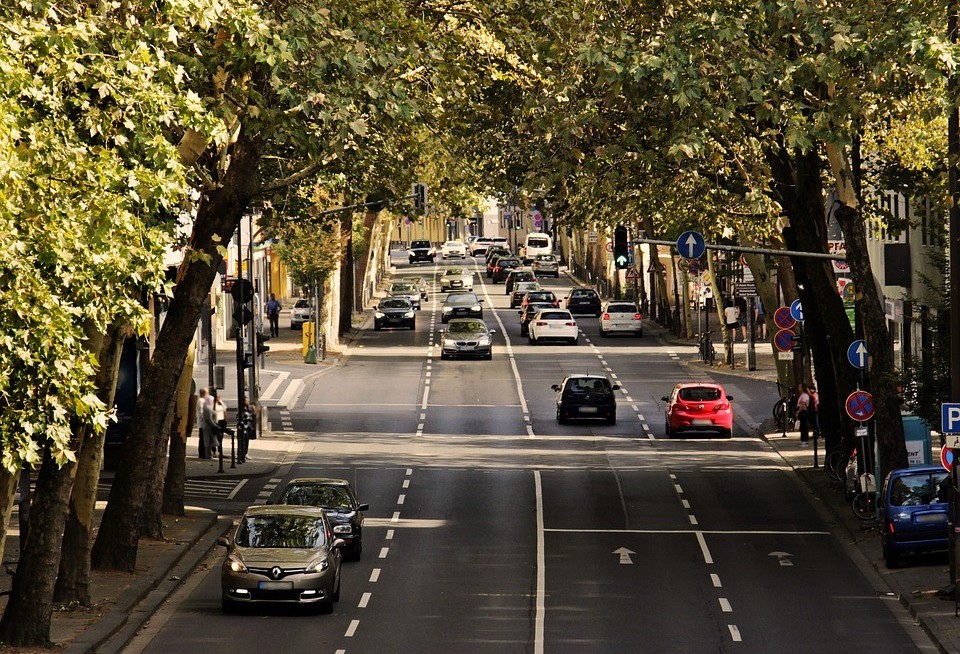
(241, 385)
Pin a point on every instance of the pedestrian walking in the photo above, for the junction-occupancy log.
(731, 318)
(220, 414)
(246, 427)
(742, 316)
(273, 314)
(807, 405)
(211, 430)
(201, 402)
(761, 319)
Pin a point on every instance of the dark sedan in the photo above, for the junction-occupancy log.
(336, 498)
(583, 300)
(461, 305)
(528, 312)
(394, 312)
(586, 397)
(503, 267)
(466, 337)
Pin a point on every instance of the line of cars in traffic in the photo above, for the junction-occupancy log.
(290, 553)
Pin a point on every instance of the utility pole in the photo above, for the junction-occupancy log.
(953, 156)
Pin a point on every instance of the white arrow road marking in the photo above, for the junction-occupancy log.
(783, 557)
(624, 555)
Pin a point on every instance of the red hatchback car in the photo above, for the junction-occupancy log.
(699, 406)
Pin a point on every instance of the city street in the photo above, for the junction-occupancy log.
(492, 528)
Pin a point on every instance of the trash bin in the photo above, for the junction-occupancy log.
(307, 337)
(916, 433)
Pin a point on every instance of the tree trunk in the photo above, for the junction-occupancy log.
(888, 424)
(218, 215)
(151, 517)
(26, 620)
(186, 403)
(8, 490)
(73, 579)
(346, 275)
(798, 189)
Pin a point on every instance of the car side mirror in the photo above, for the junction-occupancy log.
(441, 331)
(338, 543)
(480, 300)
(363, 507)
(493, 331)
(556, 387)
(615, 387)
(224, 541)
(729, 397)
(665, 398)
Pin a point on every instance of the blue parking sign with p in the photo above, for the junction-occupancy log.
(950, 418)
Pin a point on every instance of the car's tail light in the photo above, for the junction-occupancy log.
(637, 316)
(890, 527)
(541, 323)
(556, 303)
(570, 324)
(606, 316)
(721, 406)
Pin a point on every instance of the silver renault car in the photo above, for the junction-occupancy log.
(282, 554)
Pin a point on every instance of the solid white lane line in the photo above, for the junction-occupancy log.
(725, 605)
(707, 557)
(364, 600)
(375, 575)
(383, 552)
(352, 629)
(734, 633)
(715, 580)
(538, 629)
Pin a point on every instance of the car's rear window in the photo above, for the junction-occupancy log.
(588, 385)
(699, 394)
(919, 489)
(583, 293)
(538, 242)
(556, 315)
(546, 257)
(508, 262)
(621, 308)
(328, 497)
(537, 296)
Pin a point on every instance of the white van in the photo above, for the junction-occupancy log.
(536, 243)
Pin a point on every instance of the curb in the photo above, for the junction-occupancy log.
(135, 606)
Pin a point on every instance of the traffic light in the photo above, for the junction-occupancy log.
(247, 360)
(261, 339)
(419, 198)
(621, 248)
(242, 294)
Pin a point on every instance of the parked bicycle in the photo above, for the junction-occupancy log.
(707, 353)
(785, 409)
(836, 463)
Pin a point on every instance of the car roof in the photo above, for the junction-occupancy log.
(463, 320)
(698, 385)
(902, 472)
(586, 375)
(284, 509)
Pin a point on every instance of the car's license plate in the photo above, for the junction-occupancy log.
(468, 348)
(588, 409)
(275, 585)
(702, 421)
(930, 518)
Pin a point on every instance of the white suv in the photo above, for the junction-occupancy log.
(452, 249)
(620, 317)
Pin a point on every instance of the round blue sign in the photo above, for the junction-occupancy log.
(860, 406)
(857, 354)
(796, 310)
(691, 245)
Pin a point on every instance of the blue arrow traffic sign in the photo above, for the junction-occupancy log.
(857, 354)
(691, 245)
(796, 310)
(950, 418)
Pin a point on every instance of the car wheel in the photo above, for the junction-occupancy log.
(597, 314)
(530, 339)
(489, 357)
(376, 327)
(612, 420)
(726, 433)
(669, 432)
(325, 607)
(640, 333)
(444, 320)
(443, 356)
(575, 340)
(413, 326)
(336, 593)
(523, 331)
(560, 419)
(604, 334)
(228, 606)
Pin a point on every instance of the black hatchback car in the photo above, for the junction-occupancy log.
(586, 397)
(529, 311)
(503, 267)
(336, 498)
(583, 300)
(394, 312)
(461, 305)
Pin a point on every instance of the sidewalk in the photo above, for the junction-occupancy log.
(916, 582)
(123, 602)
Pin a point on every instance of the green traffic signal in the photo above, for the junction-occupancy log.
(621, 248)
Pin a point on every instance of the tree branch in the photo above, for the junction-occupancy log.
(290, 180)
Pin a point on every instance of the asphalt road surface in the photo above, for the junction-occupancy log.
(494, 529)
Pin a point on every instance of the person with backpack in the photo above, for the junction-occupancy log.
(807, 405)
(273, 314)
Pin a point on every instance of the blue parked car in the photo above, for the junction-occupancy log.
(913, 511)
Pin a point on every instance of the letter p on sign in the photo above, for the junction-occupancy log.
(950, 418)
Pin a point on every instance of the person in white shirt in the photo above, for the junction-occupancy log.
(731, 318)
